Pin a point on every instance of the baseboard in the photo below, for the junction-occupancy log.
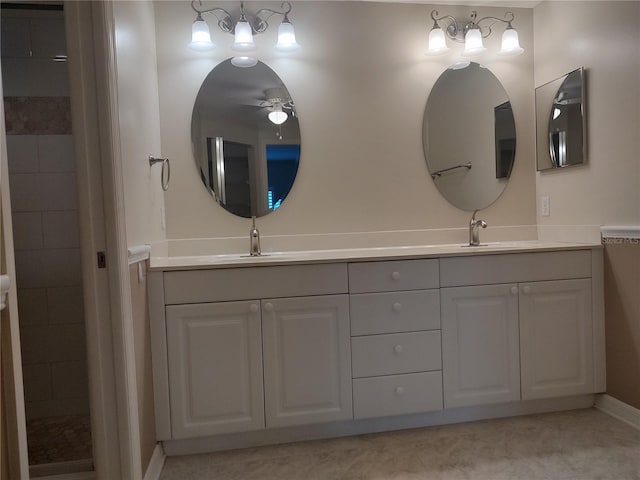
(372, 425)
(154, 469)
(617, 409)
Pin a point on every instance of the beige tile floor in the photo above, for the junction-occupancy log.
(578, 445)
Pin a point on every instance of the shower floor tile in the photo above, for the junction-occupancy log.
(59, 439)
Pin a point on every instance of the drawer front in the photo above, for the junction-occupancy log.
(397, 394)
(394, 312)
(396, 353)
(393, 276)
(516, 267)
(227, 284)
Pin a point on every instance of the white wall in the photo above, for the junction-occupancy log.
(604, 37)
(139, 119)
(360, 84)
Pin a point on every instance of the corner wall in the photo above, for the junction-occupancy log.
(360, 83)
(604, 37)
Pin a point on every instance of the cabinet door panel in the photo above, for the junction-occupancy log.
(215, 368)
(556, 338)
(307, 360)
(480, 345)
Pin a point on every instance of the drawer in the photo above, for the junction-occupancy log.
(395, 353)
(397, 394)
(393, 276)
(394, 312)
(229, 284)
(513, 268)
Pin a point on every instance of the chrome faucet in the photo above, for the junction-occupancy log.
(474, 232)
(254, 238)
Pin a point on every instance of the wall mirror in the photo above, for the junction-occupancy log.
(560, 122)
(245, 138)
(469, 136)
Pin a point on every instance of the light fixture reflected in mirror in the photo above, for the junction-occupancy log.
(471, 33)
(277, 116)
(244, 30)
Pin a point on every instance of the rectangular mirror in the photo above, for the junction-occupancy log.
(561, 135)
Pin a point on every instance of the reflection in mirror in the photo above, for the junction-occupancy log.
(560, 125)
(469, 136)
(245, 137)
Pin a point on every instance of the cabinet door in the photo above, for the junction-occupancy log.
(556, 335)
(215, 368)
(480, 345)
(307, 360)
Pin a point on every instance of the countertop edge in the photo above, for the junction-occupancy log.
(208, 262)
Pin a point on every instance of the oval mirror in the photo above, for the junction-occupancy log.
(469, 136)
(245, 138)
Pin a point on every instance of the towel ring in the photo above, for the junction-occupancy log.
(166, 167)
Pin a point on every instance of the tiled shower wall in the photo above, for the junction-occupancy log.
(45, 213)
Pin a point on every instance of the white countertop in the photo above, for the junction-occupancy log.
(228, 260)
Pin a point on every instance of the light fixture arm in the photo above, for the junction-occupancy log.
(225, 23)
(488, 27)
(456, 30)
(261, 24)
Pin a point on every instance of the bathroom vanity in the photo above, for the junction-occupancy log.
(315, 344)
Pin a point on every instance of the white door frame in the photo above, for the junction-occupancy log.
(108, 316)
(12, 403)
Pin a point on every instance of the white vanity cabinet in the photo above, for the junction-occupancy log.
(307, 360)
(480, 344)
(530, 339)
(395, 344)
(556, 338)
(273, 355)
(246, 355)
(215, 368)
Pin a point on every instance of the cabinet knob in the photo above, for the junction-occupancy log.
(268, 307)
(395, 275)
(398, 349)
(253, 308)
(399, 391)
(526, 290)
(514, 290)
(397, 307)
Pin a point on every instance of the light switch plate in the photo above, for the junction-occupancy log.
(545, 206)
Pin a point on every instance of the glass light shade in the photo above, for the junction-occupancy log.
(510, 44)
(243, 61)
(286, 37)
(243, 37)
(200, 35)
(437, 42)
(278, 117)
(473, 43)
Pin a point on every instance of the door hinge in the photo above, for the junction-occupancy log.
(102, 260)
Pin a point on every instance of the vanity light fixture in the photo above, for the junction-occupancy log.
(243, 30)
(472, 33)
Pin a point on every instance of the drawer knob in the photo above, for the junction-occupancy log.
(268, 307)
(526, 290)
(395, 275)
(514, 290)
(398, 349)
(400, 391)
(253, 308)
(397, 307)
